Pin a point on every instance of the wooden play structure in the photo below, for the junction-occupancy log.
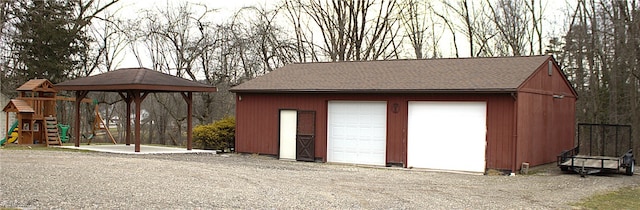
(35, 109)
(36, 121)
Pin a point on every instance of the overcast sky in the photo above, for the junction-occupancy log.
(129, 8)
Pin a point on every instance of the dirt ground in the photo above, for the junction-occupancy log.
(72, 180)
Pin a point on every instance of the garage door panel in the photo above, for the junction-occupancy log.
(356, 132)
(447, 135)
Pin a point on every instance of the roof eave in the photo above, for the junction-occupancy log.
(491, 90)
(124, 88)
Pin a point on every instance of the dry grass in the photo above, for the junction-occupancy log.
(545, 169)
(625, 198)
(493, 172)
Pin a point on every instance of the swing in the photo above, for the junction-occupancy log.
(98, 124)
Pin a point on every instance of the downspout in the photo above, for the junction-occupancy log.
(515, 133)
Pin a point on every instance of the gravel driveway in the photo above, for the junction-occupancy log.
(44, 179)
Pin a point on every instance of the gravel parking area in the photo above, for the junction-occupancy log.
(41, 179)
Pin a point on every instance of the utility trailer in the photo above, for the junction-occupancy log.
(602, 148)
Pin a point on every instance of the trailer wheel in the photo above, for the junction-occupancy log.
(630, 168)
(582, 172)
(564, 168)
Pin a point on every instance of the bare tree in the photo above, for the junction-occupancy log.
(601, 55)
(352, 30)
(512, 23)
(306, 48)
(461, 9)
(109, 42)
(86, 12)
(535, 10)
(182, 31)
(484, 31)
(111, 39)
(443, 15)
(415, 24)
(434, 35)
(268, 39)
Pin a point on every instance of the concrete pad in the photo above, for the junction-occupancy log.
(144, 149)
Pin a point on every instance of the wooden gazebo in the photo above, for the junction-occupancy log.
(134, 84)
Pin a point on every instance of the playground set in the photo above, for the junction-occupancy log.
(36, 121)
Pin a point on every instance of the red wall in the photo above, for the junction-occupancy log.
(257, 118)
(545, 125)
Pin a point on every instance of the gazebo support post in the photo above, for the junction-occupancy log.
(127, 133)
(137, 99)
(76, 131)
(188, 97)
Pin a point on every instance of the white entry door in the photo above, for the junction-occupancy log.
(357, 132)
(288, 122)
(447, 135)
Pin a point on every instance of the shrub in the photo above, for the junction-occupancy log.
(218, 135)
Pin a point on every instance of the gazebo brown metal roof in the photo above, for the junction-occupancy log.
(134, 84)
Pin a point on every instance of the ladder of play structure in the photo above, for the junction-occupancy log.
(52, 135)
(99, 125)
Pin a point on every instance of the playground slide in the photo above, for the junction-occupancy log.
(11, 135)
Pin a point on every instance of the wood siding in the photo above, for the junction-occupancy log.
(257, 121)
(545, 117)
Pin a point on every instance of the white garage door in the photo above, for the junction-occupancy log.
(447, 135)
(357, 132)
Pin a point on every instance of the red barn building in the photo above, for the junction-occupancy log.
(467, 114)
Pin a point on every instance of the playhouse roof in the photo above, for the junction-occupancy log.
(134, 79)
(40, 85)
(17, 105)
(490, 74)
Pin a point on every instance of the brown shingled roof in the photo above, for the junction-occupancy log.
(134, 79)
(496, 74)
(37, 85)
(17, 105)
